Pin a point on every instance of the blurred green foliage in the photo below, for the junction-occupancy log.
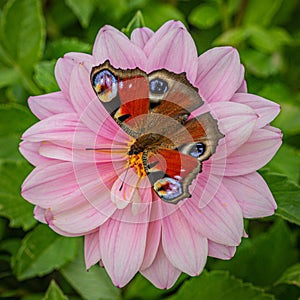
(34, 33)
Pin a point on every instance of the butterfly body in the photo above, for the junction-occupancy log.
(155, 110)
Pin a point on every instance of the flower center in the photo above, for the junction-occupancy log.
(136, 161)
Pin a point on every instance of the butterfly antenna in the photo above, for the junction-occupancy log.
(121, 187)
(106, 149)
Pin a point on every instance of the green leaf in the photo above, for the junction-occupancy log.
(15, 119)
(54, 292)
(261, 12)
(233, 37)
(93, 284)
(262, 258)
(262, 64)
(44, 76)
(288, 120)
(60, 47)
(8, 76)
(12, 205)
(83, 10)
(262, 39)
(141, 286)
(219, 285)
(23, 32)
(205, 16)
(291, 276)
(287, 196)
(43, 251)
(136, 22)
(287, 162)
(155, 14)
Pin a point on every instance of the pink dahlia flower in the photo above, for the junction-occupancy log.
(85, 183)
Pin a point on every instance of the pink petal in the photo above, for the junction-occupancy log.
(79, 199)
(64, 67)
(31, 152)
(39, 214)
(160, 33)
(161, 273)
(65, 130)
(220, 251)
(50, 150)
(221, 220)
(113, 45)
(253, 155)
(183, 245)
(48, 181)
(152, 243)
(266, 109)
(220, 74)
(243, 88)
(122, 245)
(140, 36)
(236, 121)
(121, 197)
(165, 53)
(47, 105)
(92, 252)
(44, 215)
(252, 194)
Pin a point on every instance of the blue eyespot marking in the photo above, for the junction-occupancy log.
(106, 85)
(168, 188)
(158, 86)
(197, 150)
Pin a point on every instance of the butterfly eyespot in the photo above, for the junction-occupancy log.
(197, 150)
(168, 188)
(105, 85)
(158, 86)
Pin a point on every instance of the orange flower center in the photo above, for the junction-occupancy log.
(136, 161)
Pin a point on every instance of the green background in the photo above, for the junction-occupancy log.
(36, 263)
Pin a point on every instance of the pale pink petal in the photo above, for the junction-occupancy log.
(183, 245)
(220, 251)
(161, 273)
(266, 109)
(252, 194)
(253, 155)
(64, 67)
(49, 150)
(77, 196)
(113, 45)
(47, 105)
(39, 214)
(243, 88)
(221, 220)
(49, 181)
(165, 54)
(124, 189)
(31, 152)
(92, 252)
(235, 121)
(45, 215)
(160, 33)
(65, 130)
(152, 243)
(122, 245)
(140, 36)
(220, 74)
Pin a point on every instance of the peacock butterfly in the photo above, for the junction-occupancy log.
(154, 109)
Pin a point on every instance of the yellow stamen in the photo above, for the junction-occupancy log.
(136, 161)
